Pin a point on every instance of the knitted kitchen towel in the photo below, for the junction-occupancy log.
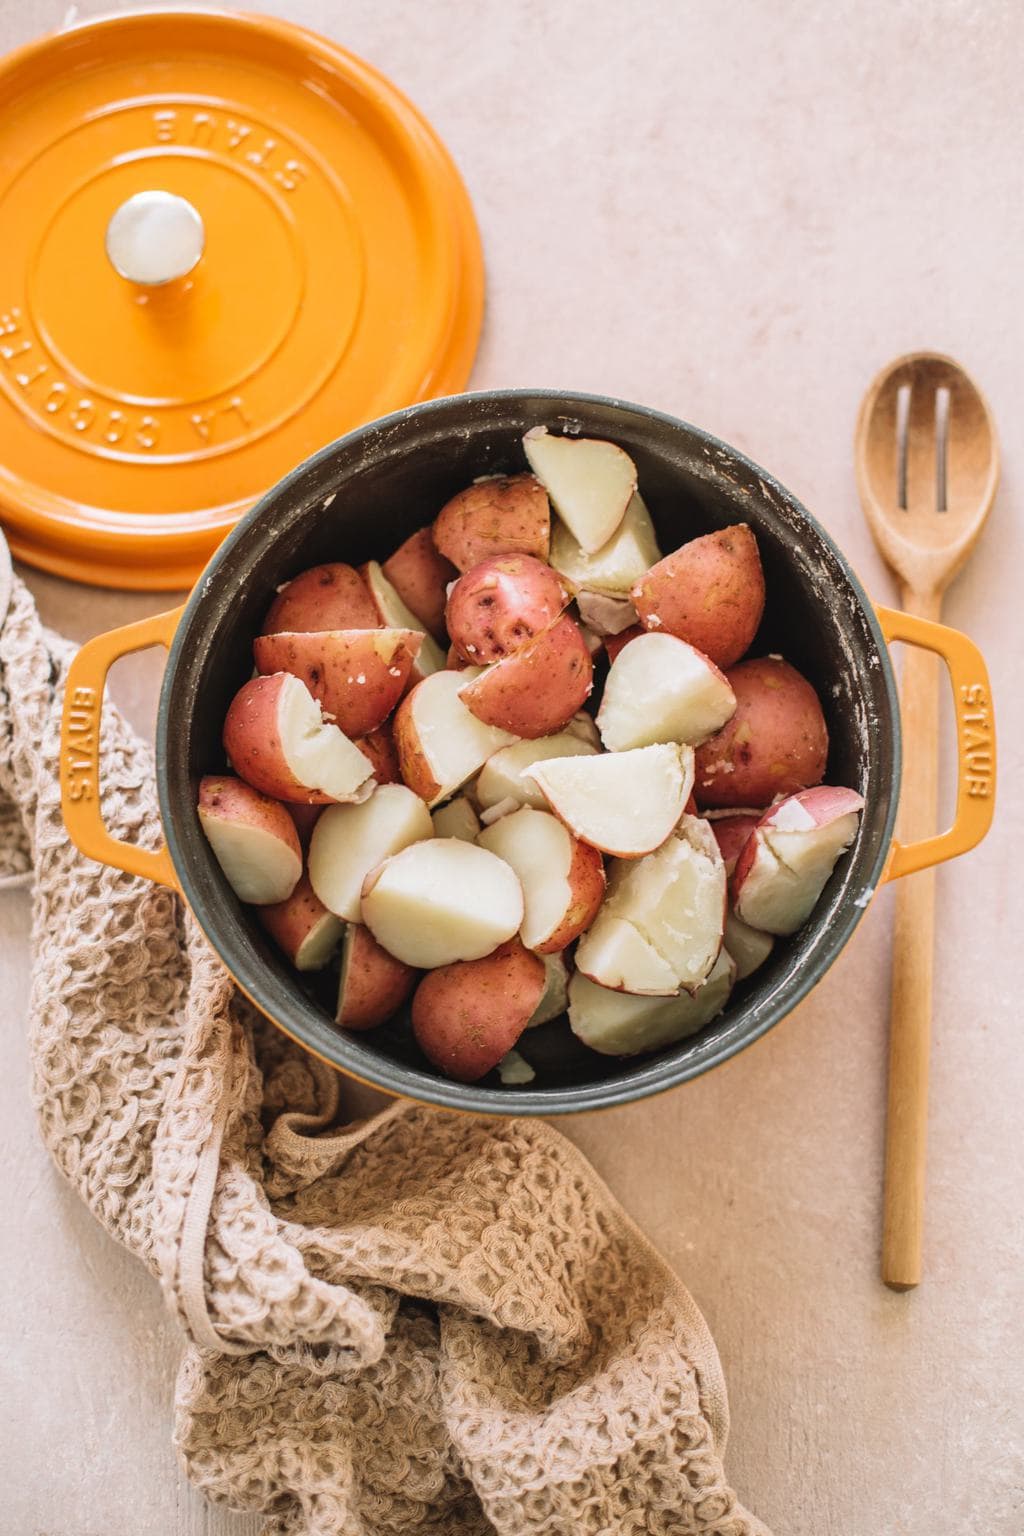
(420, 1323)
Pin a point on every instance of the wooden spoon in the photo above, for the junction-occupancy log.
(927, 468)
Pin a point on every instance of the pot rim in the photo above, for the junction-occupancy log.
(642, 1079)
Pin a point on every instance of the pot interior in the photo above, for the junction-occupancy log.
(358, 499)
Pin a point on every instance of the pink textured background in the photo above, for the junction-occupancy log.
(735, 212)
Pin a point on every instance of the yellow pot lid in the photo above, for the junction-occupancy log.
(310, 262)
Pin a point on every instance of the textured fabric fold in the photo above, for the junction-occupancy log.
(416, 1323)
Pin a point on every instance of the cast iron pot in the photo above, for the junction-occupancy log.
(359, 498)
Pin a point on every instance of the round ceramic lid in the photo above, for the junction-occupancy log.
(226, 241)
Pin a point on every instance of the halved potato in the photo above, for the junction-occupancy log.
(303, 928)
(358, 675)
(350, 840)
(378, 747)
(373, 984)
(441, 901)
(467, 1016)
(615, 1024)
(775, 742)
(277, 740)
(324, 597)
(618, 564)
(457, 819)
(253, 839)
(555, 997)
(500, 604)
(562, 878)
(440, 743)
(394, 613)
(537, 690)
(496, 515)
(710, 592)
(501, 777)
(590, 482)
(421, 578)
(661, 689)
(749, 947)
(785, 865)
(626, 803)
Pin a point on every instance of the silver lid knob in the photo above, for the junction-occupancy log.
(154, 238)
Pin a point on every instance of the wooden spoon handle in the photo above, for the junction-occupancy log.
(913, 942)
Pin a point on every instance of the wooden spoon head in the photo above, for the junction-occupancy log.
(927, 459)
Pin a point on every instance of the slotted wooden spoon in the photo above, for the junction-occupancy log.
(927, 462)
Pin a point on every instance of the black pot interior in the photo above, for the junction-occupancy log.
(358, 499)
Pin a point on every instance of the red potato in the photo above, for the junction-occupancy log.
(278, 741)
(625, 803)
(501, 777)
(497, 515)
(324, 597)
(618, 1025)
(467, 1016)
(709, 592)
(456, 819)
(373, 984)
(731, 834)
(358, 675)
(590, 483)
(305, 819)
(776, 741)
(351, 840)
(615, 644)
(605, 615)
(421, 578)
(303, 928)
(514, 1071)
(440, 744)
(253, 839)
(555, 997)
(380, 752)
(613, 569)
(536, 691)
(395, 614)
(562, 878)
(440, 901)
(785, 865)
(454, 662)
(500, 604)
(674, 901)
(662, 689)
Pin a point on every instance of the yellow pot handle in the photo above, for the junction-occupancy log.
(80, 748)
(976, 742)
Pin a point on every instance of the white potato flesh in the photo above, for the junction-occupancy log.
(790, 870)
(350, 840)
(625, 803)
(456, 819)
(675, 899)
(555, 997)
(615, 954)
(259, 867)
(618, 564)
(501, 777)
(320, 942)
(441, 901)
(661, 689)
(318, 754)
(605, 615)
(540, 850)
(397, 615)
(590, 482)
(514, 1070)
(616, 1024)
(582, 726)
(749, 947)
(455, 743)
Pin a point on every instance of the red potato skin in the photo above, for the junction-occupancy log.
(824, 803)
(330, 663)
(324, 597)
(507, 515)
(536, 691)
(774, 744)
(613, 644)
(412, 763)
(710, 592)
(253, 743)
(587, 879)
(467, 1016)
(235, 800)
(379, 748)
(502, 603)
(305, 818)
(420, 576)
(454, 662)
(376, 984)
(732, 833)
(289, 923)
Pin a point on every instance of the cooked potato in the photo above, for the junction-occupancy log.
(394, 613)
(253, 838)
(590, 482)
(350, 840)
(775, 743)
(421, 577)
(303, 928)
(442, 900)
(440, 743)
(379, 749)
(499, 515)
(373, 984)
(500, 604)
(625, 803)
(628, 554)
(467, 1016)
(709, 592)
(660, 688)
(358, 675)
(324, 597)
(562, 877)
(277, 740)
(614, 645)
(536, 691)
(732, 832)
(456, 819)
(615, 1024)
(784, 867)
(501, 777)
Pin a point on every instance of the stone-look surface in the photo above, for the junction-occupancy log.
(735, 213)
